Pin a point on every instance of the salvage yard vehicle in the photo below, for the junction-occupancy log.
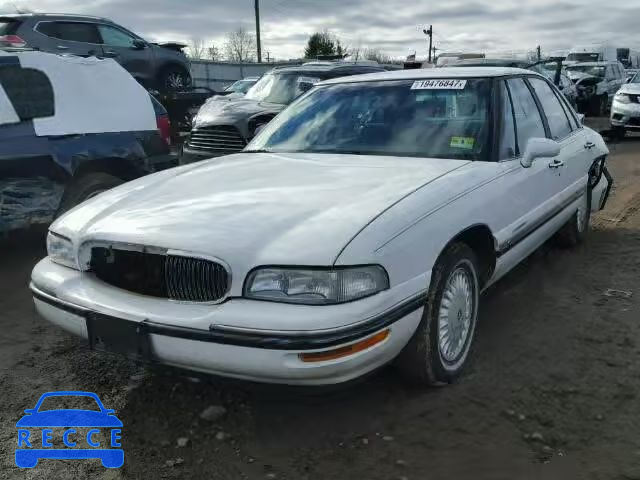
(223, 126)
(359, 227)
(625, 110)
(65, 137)
(159, 66)
(241, 86)
(597, 83)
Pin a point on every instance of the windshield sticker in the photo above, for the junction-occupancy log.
(465, 143)
(443, 84)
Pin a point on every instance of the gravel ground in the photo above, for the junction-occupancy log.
(552, 392)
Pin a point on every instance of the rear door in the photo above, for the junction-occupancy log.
(573, 163)
(74, 37)
(128, 50)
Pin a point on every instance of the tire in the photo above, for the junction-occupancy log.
(426, 360)
(574, 232)
(173, 79)
(84, 187)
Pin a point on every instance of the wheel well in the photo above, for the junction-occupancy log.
(170, 65)
(117, 167)
(480, 239)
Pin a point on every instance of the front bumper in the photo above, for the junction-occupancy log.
(625, 115)
(252, 354)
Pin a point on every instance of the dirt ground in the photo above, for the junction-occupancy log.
(553, 390)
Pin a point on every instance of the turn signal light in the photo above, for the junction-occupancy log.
(345, 351)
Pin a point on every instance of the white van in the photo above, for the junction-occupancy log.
(592, 53)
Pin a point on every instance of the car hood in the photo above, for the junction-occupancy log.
(69, 418)
(221, 110)
(579, 77)
(630, 88)
(254, 209)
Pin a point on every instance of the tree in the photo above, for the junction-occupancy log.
(196, 49)
(376, 55)
(241, 46)
(321, 43)
(214, 53)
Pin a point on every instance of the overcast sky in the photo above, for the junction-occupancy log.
(394, 26)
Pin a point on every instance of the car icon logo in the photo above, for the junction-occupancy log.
(36, 434)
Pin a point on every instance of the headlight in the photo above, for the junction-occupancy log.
(315, 286)
(60, 250)
(622, 98)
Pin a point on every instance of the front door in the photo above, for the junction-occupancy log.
(132, 53)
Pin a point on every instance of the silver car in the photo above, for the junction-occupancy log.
(625, 110)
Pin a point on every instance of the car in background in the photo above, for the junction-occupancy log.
(597, 83)
(240, 86)
(223, 126)
(156, 66)
(625, 110)
(359, 227)
(65, 137)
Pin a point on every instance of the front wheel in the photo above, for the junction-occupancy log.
(172, 79)
(438, 350)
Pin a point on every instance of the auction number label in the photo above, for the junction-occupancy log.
(439, 84)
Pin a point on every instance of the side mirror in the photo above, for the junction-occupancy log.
(539, 148)
(139, 44)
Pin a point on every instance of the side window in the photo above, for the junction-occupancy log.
(115, 37)
(556, 117)
(508, 128)
(48, 28)
(29, 90)
(528, 120)
(76, 32)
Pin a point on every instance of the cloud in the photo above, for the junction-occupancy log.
(394, 26)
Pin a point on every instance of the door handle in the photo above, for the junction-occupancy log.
(62, 47)
(110, 54)
(556, 163)
(589, 145)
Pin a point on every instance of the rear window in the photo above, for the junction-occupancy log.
(70, 31)
(29, 90)
(8, 27)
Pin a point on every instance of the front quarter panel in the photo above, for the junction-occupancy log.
(408, 238)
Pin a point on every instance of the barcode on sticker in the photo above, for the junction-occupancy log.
(440, 84)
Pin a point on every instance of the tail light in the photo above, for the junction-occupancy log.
(12, 41)
(164, 127)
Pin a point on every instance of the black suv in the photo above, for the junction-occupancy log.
(156, 66)
(224, 126)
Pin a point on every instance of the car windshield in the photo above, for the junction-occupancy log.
(241, 86)
(583, 57)
(593, 70)
(635, 78)
(421, 118)
(282, 88)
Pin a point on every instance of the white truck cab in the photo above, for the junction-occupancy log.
(592, 53)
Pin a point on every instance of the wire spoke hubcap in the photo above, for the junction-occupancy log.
(456, 314)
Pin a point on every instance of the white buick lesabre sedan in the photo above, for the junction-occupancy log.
(358, 227)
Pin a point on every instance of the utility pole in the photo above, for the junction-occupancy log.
(268, 57)
(539, 51)
(257, 8)
(429, 33)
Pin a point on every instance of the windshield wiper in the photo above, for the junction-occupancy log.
(259, 150)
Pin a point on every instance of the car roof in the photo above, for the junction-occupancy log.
(428, 73)
(52, 15)
(329, 67)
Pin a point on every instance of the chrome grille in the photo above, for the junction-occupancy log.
(216, 140)
(195, 279)
(161, 275)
